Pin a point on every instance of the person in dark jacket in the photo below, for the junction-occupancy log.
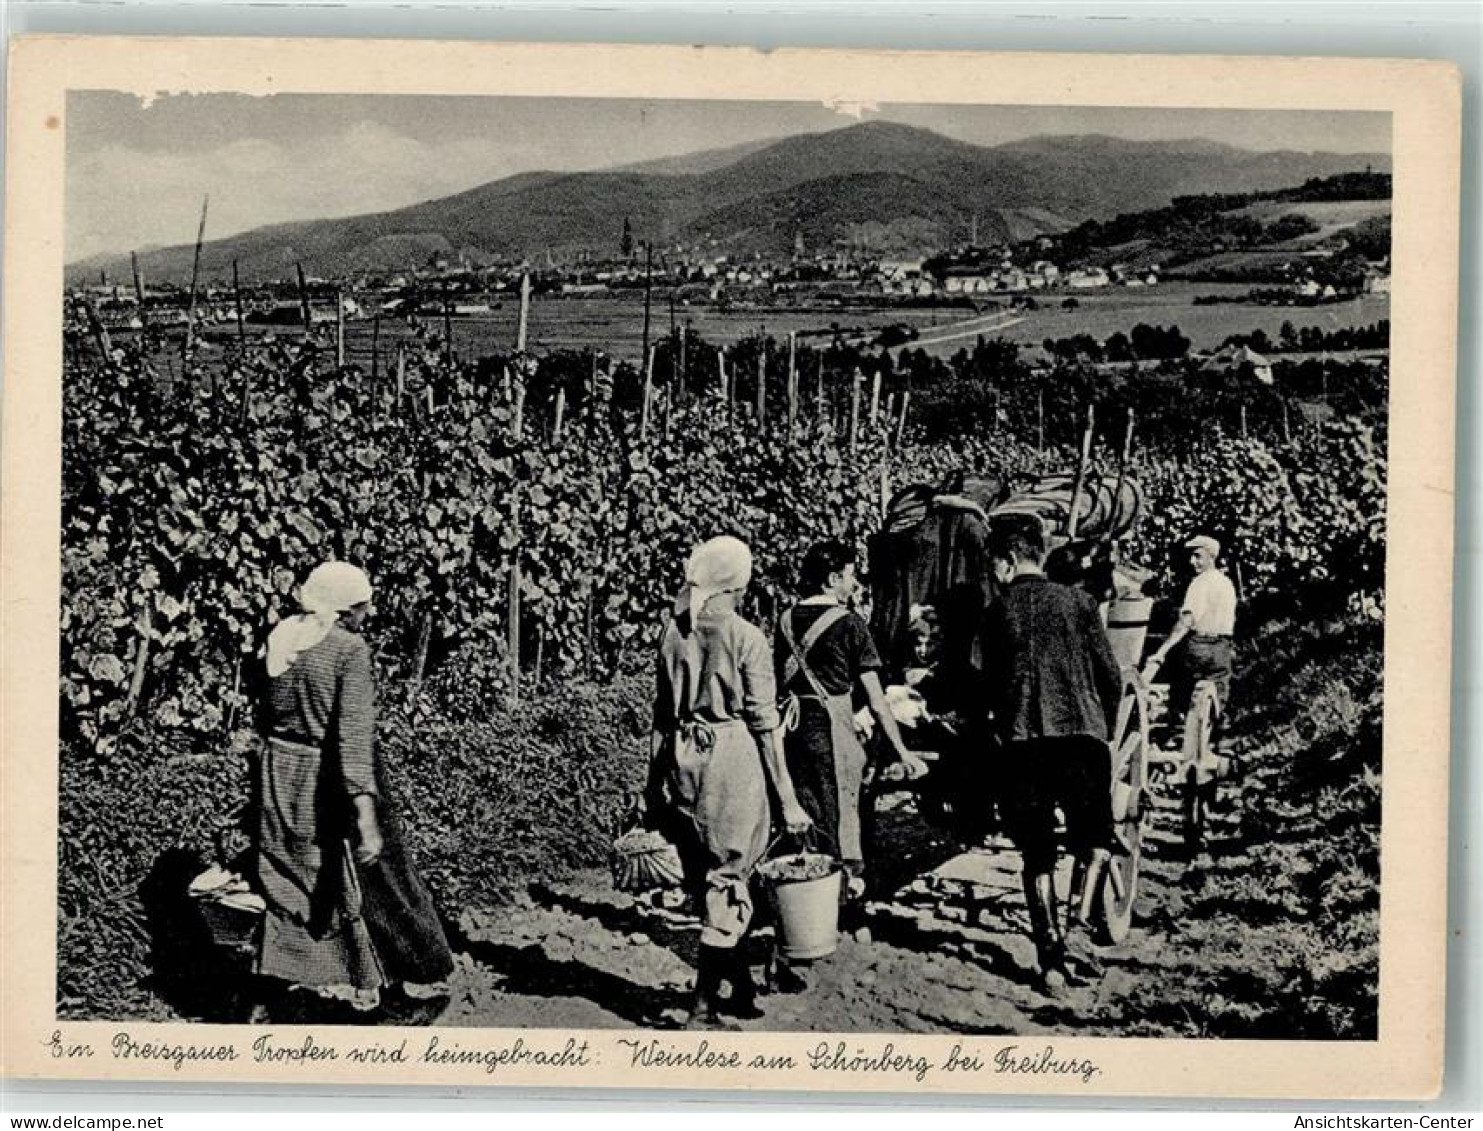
(1052, 686)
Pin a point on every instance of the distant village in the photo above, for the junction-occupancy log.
(1019, 275)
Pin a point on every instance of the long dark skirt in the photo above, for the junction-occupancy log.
(399, 913)
(332, 921)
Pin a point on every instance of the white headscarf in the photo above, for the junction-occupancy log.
(329, 591)
(719, 565)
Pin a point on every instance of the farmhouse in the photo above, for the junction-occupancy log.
(1087, 278)
(966, 280)
(1236, 359)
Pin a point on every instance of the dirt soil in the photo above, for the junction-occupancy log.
(945, 950)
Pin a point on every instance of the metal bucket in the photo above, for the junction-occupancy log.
(807, 910)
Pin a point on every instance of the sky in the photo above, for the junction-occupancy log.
(137, 169)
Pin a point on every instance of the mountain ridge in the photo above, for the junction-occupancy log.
(895, 187)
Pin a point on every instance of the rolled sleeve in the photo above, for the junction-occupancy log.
(355, 729)
(664, 696)
(867, 656)
(759, 687)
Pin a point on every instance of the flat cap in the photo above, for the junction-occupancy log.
(1204, 542)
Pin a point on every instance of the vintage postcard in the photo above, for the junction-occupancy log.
(681, 567)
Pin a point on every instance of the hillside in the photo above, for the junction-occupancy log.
(908, 188)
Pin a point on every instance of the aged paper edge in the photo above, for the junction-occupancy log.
(1424, 101)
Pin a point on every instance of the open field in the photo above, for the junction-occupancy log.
(1103, 313)
(616, 324)
(1329, 215)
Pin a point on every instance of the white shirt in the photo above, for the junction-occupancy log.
(1210, 601)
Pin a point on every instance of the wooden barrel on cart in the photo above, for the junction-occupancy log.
(1127, 628)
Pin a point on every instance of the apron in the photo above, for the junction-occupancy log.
(717, 786)
(847, 756)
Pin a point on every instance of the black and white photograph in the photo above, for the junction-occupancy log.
(672, 565)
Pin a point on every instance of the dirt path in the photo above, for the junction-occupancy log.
(945, 951)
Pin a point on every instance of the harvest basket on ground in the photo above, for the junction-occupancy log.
(232, 912)
(642, 860)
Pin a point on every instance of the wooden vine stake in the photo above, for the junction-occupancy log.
(339, 329)
(419, 662)
(100, 332)
(589, 645)
(231, 713)
(856, 386)
(237, 302)
(304, 312)
(591, 398)
(523, 327)
(190, 314)
(1124, 460)
(792, 381)
(1074, 518)
(447, 326)
(761, 383)
(141, 665)
(401, 372)
(560, 415)
(139, 283)
(901, 419)
(819, 407)
(646, 397)
(517, 409)
(512, 628)
(875, 398)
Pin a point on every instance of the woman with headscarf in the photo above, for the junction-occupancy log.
(716, 742)
(347, 913)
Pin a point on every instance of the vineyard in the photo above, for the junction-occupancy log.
(525, 521)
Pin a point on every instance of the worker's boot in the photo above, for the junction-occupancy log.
(710, 966)
(1045, 929)
(1085, 900)
(1086, 891)
(743, 1001)
(1075, 895)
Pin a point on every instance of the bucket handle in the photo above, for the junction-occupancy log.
(803, 840)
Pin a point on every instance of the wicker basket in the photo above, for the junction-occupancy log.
(642, 860)
(232, 921)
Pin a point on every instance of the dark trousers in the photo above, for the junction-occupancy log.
(1200, 657)
(1072, 772)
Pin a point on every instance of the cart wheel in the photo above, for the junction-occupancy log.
(1129, 810)
(1198, 782)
